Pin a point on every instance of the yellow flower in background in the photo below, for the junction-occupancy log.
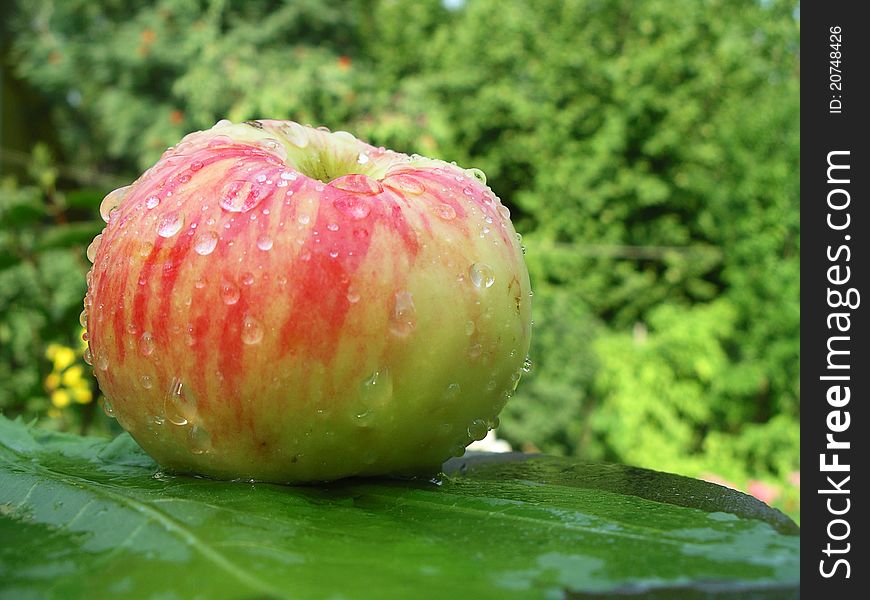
(61, 356)
(82, 394)
(52, 381)
(67, 382)
(60, 398)
(73, 376)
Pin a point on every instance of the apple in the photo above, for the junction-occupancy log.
(281, 303)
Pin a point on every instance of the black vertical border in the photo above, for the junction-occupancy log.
(823, 132)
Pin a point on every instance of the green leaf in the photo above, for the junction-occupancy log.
(88, 516)
(70, 234)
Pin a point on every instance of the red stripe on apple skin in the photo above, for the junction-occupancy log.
(442, 187)
(133, 223)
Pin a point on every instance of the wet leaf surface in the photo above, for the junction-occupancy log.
(86, 516)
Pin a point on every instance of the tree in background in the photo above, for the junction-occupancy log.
(649, 153)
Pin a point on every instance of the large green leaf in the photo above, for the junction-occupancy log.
(88, 517)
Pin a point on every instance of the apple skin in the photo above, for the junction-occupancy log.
(282, 303)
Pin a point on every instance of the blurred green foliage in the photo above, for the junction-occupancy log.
(649, 152)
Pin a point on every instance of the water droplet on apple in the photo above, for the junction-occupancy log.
(101, 361)
(107, 408)
(527, 365)
(332, 226)
(264, 243)
(152, 202)
(376, 392)
(178, 407)
(295, 134)
(88, 357)
(83, 318)
(445, 212)
(303, 219)
(170, 224)
(146, 344)
(205, 243)
(112, 201)
(406, 183)
(196, 165)
(355, 207)
(468, 190)
(477, 174)
(289, 175)
(481, 275)
(358, 184)
(241, 196)
(252, 331)
(477, 429)
(352, 296)
(222, 123)
(403, 318)
(94, 246)
(145, 249)
(363, 158)
(230, 292)
(504, 211)
(145, 382)
(247, 278)
(452, 392)
(199, 440)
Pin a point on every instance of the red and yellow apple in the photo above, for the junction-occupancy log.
(282, 303)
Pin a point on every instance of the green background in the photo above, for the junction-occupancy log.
(648, 151)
